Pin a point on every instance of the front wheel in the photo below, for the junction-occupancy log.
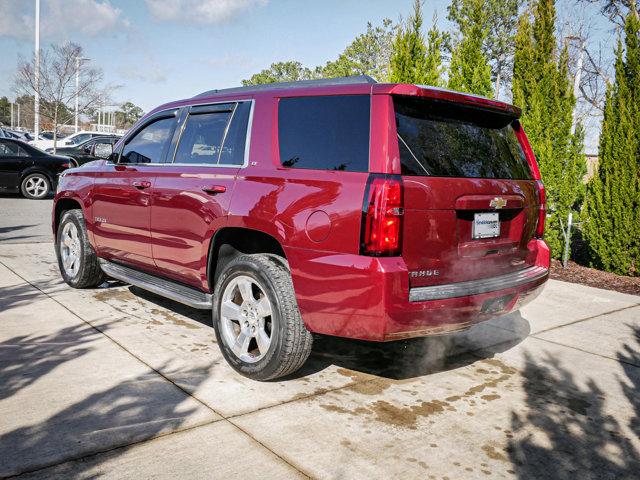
(256, 318)
(77, 260)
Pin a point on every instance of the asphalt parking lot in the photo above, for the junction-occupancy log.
(115, 382)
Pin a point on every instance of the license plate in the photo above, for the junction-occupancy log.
(486, 225)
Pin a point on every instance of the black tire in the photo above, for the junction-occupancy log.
(27, 186)
(88, 274)
(291, 342)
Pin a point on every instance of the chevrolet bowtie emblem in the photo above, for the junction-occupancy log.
(498, 203)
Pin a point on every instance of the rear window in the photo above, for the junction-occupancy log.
(443, 139)
(325, 132)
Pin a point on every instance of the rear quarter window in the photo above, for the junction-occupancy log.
(324, 132)
(442, 139)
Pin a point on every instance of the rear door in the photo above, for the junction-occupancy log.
(122, 192)
(193, 191)
(470, 200)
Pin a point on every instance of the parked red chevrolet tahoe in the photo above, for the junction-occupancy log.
(341, 207)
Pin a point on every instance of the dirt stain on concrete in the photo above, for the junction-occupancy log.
(491, 397)
(494, 454)
(173, 319)
(407, 416)
(113, 294)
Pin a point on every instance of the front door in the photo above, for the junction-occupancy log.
(122, 194)
(12, 160)
(192, 194)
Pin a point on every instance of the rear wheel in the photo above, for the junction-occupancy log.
(256, 318)
(35, 186)
(77, 260)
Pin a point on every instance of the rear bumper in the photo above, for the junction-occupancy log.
(370, 299)
(475, 287)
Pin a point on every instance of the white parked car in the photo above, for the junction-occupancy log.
(69, 141)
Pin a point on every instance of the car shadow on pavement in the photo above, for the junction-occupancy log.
(200, 316)
(574, 434)
(14, 228)
(416, 357)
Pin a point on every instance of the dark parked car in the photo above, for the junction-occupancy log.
(341, 207)
(26, 169)
(94, 149)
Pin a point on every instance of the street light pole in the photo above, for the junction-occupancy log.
(77, 91)
(12, 115)
(36, 113)
(36, 106)
(78, 59)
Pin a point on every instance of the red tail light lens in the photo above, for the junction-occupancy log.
(382, 217)
(65, 165)
(542, 208)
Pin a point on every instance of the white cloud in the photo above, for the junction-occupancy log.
(200, 11)
(59, 17)
(16, 20)
(150, 72)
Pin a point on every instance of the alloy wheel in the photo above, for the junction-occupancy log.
(246, 319)
(70, 249)
(36, 186)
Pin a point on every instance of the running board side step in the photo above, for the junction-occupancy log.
(160, 286)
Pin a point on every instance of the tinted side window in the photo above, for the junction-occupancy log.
(150, 143)
(202, 138)
(10, 149)
(234, 143)
(449, 140)
(81, 138)
(325, 133)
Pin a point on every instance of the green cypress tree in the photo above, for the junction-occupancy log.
(409, 50)
(433, 68)
(469, 70)
(543, 89)
(612, 228)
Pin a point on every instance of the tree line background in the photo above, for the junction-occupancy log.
(515, 50)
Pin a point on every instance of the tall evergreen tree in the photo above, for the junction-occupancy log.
(469, 70)
(543, 89)
(409, 50)
(436, 42)
(612, 227)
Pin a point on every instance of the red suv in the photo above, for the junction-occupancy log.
(342, 207)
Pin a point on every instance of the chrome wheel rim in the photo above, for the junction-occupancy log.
(36, 186)
(246, 320)
(70, 249)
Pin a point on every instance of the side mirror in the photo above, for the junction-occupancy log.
(87, 150)
(103, 150)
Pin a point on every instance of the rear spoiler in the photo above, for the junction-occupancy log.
(442, 94)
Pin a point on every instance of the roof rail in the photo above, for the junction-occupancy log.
(354, 79)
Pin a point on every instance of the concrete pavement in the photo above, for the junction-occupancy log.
(116, 382)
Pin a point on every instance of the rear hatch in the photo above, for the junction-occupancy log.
(469, 194)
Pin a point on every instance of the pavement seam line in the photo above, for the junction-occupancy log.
(622, 309)
(117, 447)
(586, 351)
(222, 417)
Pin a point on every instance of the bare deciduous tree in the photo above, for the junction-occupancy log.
(57, 86)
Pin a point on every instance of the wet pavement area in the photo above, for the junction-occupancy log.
(116, 382)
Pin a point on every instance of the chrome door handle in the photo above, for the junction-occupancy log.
(215, 189)
(142, 184)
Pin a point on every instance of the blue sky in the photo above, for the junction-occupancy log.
(162, 50)
(159, 53)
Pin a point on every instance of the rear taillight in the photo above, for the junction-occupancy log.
(542, 208)
(382, 213)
